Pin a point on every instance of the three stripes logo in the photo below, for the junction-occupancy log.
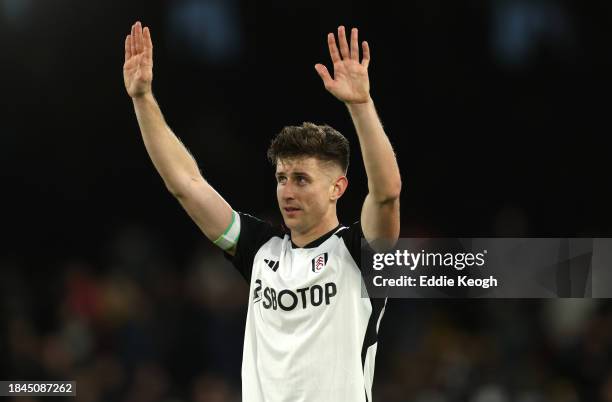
(318, 263)
(272, 264)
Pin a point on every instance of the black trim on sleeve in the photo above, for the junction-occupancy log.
(254, 233)
(356, 244)
(352, 236)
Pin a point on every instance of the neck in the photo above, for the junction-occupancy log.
(301, 239)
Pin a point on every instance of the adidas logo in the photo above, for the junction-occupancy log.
(272, 264)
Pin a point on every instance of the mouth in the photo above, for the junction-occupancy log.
(291, 210)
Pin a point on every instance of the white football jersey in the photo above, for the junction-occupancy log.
(310, 335)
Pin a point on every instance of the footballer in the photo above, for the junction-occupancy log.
(310, 333)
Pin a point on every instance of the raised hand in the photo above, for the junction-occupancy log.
(350, 83)
(138, 66)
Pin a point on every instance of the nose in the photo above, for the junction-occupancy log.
(286, 191)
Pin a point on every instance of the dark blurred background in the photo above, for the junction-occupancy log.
(498, 111)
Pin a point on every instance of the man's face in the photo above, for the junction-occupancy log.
(306, 191)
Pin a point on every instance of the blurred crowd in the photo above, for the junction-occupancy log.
(147, 330)
(495, 111)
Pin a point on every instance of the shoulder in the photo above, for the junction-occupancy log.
(350, 232)
(352, 236)
(355, 242)
(254, 233)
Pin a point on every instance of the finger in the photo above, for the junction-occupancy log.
(333, 49)
(354, 45)
(366, 54)
(128, 48)
(133, 40)
(324, 74)
(344, 49)
(148, 43)
(139, 39)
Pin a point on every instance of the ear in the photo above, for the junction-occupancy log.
(338, 187)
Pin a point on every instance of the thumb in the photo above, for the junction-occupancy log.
(324, 74)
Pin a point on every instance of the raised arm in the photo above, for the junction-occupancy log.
(172, 160)
(380, 218)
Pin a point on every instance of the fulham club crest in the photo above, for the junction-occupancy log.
(318, 263)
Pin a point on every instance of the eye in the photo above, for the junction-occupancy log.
(281, 179)
(301, 180)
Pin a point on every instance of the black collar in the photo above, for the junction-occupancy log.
(319, 241)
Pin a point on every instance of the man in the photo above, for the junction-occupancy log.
(310, 335)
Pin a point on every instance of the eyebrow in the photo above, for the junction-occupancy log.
(299, 173)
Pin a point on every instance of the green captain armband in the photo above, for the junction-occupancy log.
(229, 238)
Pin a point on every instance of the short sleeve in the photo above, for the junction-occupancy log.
(362, 252)
(355, 243)
(254, 233)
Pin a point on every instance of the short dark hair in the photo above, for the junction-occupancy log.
(318, 141)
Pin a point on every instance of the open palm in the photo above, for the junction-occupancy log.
(350, 82)
(138, 66)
